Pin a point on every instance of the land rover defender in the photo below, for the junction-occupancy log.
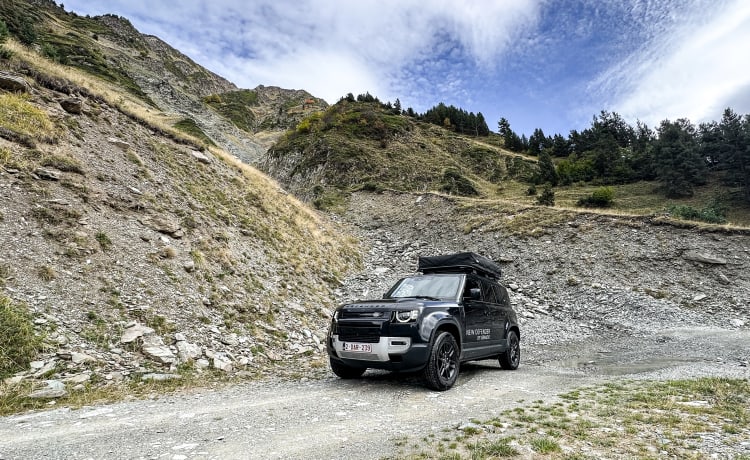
(453, 311)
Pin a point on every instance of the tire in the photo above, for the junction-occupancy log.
(346, 372)
(443, 364)
(511, 358)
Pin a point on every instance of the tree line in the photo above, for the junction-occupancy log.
(677, 154)
(447, 116)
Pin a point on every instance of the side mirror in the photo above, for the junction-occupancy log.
(475, 293)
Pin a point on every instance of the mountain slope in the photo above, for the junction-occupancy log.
(363, 145)
(136, 250)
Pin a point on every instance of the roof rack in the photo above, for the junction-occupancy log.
(462, 262)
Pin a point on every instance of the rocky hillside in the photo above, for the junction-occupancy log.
(573, 277)
(182, 92)
(137, 252)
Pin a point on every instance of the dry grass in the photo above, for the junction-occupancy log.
(616, 420)
(21, 118)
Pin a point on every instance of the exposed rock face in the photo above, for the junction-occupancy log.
(13, 83)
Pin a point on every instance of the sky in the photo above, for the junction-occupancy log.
(549, 64)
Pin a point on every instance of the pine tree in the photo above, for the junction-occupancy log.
(679, 166)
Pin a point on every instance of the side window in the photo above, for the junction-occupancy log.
(499, 293)
(488, 292)
(471, 283)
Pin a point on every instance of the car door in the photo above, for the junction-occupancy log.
(477, 314)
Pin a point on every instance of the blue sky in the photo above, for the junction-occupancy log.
(539, 63)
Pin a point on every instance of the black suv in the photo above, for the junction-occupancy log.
(454, 311)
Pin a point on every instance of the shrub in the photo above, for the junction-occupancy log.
(599, 198)
(18, 342)
(715, 213)
(5, 53)
(104, 241)
(455, 182)
(547, 198)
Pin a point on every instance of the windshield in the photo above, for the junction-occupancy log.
(429, 286)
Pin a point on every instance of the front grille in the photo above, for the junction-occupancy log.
(359, 314)
(359, 334)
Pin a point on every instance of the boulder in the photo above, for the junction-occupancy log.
(132, 333)
(703, 257)
(51, 389)
(72, 105)
(13, 83)
(122, 145)
(202, 158)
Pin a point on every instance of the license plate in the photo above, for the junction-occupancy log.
(358, 347)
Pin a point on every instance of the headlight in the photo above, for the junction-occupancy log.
(405, 316)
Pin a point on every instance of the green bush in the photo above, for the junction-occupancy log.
(715, 213)
(547, 198)
(455, 182)
(18, 343)
(599, 198)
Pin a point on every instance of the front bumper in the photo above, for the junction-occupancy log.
(390, 353)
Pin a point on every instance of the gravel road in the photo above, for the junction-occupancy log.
(357, 419)
(598, 301)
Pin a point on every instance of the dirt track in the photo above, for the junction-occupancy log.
(358, 419)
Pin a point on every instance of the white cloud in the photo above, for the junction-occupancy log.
(694, 72)
(328, 47)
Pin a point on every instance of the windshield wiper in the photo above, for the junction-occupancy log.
(425, 297)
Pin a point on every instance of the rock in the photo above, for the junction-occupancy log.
(46, 174)
(122, 145)
(705, 258)
(737, 322)
(202, 363)
(699, 297)
(72, 105)
(163, 224)
(78, 379)
(80, 358)
(179, 337)
(223, 363)
(114, 376)
(200, 157)
(52, 389)
(189, 266)
(159, 353)
(133, 333)
(230, 339)
(46, 368)
(154, 348)
(13, 83)
(187, 351)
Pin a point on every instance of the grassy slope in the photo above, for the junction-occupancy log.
(360, 145)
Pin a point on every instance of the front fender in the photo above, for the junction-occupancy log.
(434, 320)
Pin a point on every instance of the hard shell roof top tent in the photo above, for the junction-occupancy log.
(462, 262)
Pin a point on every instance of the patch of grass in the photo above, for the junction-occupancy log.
(189, 126)
(63, 163)
(544, 445)
(21, 118)
(19, 344)
(104, 242)
(46, 273)
(628, 419)
(235, 105)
